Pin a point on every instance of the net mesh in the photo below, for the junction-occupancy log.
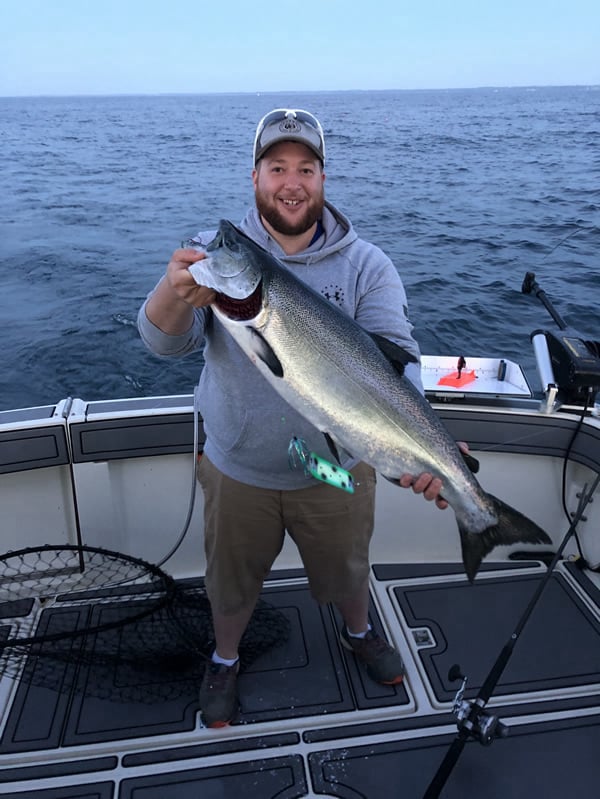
(125, 624)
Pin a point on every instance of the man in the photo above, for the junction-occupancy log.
(251, 495)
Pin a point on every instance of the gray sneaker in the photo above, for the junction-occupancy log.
(219, 703)
(384, 664)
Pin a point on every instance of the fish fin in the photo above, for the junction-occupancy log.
(396, 355)
(332, 447)
(512, 527)
(262, 349)
(339, 453)
(471, 461)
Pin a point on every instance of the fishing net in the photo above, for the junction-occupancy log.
(112, 624)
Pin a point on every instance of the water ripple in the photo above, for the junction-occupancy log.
(465, 190)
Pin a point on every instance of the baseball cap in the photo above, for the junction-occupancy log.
(289, 124)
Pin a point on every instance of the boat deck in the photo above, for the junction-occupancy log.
(104, 725)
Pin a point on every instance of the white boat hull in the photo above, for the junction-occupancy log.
(120, 475)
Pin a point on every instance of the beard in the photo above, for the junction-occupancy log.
(269, 211)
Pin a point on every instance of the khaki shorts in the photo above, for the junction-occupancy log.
(245, 528)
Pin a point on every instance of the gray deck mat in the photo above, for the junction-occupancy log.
(311, 675)
(553, 761)
(558, 648)
(63, 704)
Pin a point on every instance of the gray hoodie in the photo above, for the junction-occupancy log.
(248, 426)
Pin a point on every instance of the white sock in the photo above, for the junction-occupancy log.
(225, 661)
(358, 635)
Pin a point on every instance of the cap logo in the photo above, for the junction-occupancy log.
(283, 124)
(290, 126)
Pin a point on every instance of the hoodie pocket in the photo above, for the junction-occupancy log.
(227, 428)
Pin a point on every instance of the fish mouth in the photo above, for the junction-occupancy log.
(240, 310)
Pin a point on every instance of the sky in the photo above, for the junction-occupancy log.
(67, 47)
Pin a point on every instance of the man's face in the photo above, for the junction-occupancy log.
(288, 187)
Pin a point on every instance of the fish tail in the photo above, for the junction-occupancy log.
(512, 527)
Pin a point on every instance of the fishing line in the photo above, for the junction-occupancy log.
(500, 447)
(490, 448)
(192, 500)
(576, 232)
(584, 562)
(473, 721)
(565, 458)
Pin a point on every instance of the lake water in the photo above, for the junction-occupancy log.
(466, 190)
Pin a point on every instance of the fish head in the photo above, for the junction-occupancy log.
(234, 268)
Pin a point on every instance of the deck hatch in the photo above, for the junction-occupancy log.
(281, 777)
(536, 760)
(558, 649)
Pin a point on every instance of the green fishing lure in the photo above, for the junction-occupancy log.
(319, 468)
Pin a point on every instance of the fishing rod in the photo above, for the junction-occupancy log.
(568, 362)
(569, 368)
(474, 722)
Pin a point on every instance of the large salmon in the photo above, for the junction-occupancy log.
(349, 384)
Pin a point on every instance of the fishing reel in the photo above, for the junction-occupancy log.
(473, 719)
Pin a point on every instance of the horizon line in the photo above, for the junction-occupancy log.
(259, 93)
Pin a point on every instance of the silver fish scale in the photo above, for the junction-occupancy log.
(334, 374)
(338, 378)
